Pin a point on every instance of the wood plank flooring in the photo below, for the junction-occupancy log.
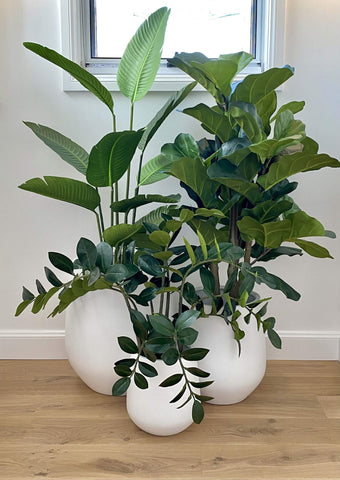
(52, 426)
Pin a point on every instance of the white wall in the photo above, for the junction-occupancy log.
(31, 89)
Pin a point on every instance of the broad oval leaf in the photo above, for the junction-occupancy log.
(118, 233)
(120, 272)
(127, 345)
(64, 189)
(162, 324)
(150, 265)
(140, 381)
(160, 237)
(274, 338)
(87, 253)
(61, 262)
(140, 61)
(68, 150)
(111, 157)
(194, 353)
(147, 369)
(197, 412)
(172, 380)
(89, 81)
(186, 319)
(170, 356)
(104, 256)
(121, 385)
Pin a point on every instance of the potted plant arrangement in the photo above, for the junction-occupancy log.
(241, 214)
(239, 179)
(100, 314)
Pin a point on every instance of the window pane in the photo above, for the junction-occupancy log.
(212, 27)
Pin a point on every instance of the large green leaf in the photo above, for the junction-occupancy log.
(111, 157)
(138, 200)
(155, 216)
(254, 87)
(68, 150)
(274, 282)
(248, 123)
(220, 74)
(183, 146)
(267, 211)
(153, 170)
(89, 81)
(118, 233)
(288, 165)
(293, 106)
(213, 121)
(64, 189)
(287, 126)
(265, 109)
(193, 173)
(86, 253)
(225, 173)
(242, 59)
(272, 234)
(188, 62)
(313, 249)
(163, 113)
(287, 132)
(140, 61)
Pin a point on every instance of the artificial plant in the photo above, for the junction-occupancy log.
(107, 163)
(239, 177)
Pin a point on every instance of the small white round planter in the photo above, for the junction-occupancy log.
(235, 376)
(93, 323)
(150, 409)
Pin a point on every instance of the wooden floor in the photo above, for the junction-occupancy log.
(52, 426)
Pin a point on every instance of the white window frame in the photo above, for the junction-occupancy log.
(168, 79)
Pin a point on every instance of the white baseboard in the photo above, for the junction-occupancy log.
(32, 344)
(49, 344)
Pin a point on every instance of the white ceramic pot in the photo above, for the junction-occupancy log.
(235, 376)
(93, 323)
(150, 409)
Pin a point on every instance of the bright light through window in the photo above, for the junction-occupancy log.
(211, 27)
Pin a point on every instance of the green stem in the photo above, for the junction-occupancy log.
(98, 225)
(101, 216)
(138, 180)
(112, 198)
(127, 192)
(116, 200)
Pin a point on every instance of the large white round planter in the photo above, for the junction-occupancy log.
(235, 376)
(93, 323)
(150, 409)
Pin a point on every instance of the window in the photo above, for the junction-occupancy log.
(93, 37)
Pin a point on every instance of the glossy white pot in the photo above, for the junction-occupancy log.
(150, 409)
(93, 323)
(235, 376)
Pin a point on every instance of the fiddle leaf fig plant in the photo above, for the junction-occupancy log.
(239, 176)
